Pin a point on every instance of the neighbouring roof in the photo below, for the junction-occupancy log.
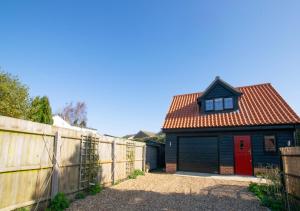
(60, 122)
(129, 136)
(258, 105)
(143, 133)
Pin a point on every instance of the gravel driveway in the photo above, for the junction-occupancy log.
(159, 191)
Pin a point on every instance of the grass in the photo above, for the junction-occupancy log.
(135, 174)
(267, 196)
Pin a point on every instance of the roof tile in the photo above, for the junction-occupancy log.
(258, 105)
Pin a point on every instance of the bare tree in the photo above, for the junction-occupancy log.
(76, 115)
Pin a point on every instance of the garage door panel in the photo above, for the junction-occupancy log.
(191, 158)
(196, 168)
(198, 154)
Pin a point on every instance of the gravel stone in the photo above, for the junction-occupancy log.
(160, 191)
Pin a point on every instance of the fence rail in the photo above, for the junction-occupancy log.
(38, 160)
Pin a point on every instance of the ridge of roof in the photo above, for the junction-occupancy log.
(218, 80)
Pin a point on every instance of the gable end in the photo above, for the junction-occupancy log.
(220, 90)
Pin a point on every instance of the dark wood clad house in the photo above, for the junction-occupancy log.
(228, 130)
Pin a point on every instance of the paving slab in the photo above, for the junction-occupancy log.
(222, 177)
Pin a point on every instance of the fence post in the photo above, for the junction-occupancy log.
(56, 160)
(144, 158)
(114, 162)
(282, 177)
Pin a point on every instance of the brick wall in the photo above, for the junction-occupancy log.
(226, 170)
(171, 168)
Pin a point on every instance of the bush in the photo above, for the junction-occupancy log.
(267, 196)
(80, 195)
(59, 203)
(94, 189)
(135, 174)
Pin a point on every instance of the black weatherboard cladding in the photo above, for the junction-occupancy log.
(260, 157)
(226, 150)
(171, 148)
(152, 157)
(226, 147)
(219, 90)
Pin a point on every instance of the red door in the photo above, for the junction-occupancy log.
(242, 153)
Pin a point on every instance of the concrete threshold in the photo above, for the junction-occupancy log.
(222, 177)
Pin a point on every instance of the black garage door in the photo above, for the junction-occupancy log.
(198, 154)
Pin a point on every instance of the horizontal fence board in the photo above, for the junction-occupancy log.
(290, 151)
(25, 168)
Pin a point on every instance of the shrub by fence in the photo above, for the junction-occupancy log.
(38, 160)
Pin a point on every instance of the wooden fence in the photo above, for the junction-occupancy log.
(38, 160)
(290, 157)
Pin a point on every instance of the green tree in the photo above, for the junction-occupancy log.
(40, 110)
(14, 97)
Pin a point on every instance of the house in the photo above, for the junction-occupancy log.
(129, 137)
(140, 135)
(228, 130)
(144, 134)
(60, 122)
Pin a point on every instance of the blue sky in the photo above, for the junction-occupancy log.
(126, 59)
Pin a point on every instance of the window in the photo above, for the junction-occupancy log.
(219, 104)
(270, 144)
(241, 145)
(209, 105)
(228, 103)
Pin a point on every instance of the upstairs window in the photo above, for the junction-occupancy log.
(209, 105)
(270, 144)
(218, 104)
(228, 103)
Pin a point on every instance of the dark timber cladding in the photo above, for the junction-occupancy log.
(225, 156)
(199, 154)
(228, 130)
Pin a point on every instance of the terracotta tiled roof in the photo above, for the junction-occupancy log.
(258, 105)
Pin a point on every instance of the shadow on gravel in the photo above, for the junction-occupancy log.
(219, 197)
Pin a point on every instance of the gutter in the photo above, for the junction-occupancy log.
(238, 128)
